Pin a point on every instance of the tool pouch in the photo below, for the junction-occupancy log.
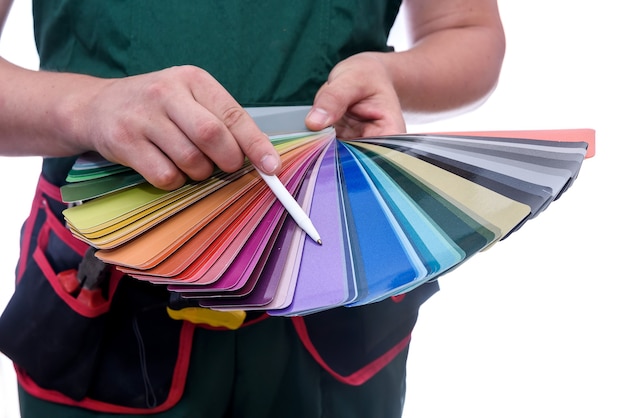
(45, 330)
(71, 352)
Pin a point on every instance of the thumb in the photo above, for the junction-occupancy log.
(330, 105)
(318, 118)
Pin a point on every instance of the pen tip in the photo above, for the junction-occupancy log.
(319, 241)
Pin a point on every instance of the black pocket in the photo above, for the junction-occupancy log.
(349, 340)
(141, 349)
(47, 339)
(44, 330)
(119, 353)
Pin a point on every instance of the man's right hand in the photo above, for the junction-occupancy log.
(173, 125)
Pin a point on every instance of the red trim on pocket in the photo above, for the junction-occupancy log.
(27, 234)
(398, 298)
(49, 189)
(62, 232)
(179, 379)
(43, 189)
(360, 376)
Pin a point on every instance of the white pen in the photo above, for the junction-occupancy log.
(297, 213)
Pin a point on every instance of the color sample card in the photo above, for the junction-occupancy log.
(393, 212)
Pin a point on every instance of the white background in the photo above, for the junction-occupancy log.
(534, 326)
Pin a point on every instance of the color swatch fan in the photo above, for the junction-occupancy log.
(393, 212)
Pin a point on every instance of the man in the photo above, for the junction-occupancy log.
(160, 88)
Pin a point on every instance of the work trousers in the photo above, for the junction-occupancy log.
(261, 370)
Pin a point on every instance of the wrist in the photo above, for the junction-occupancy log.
(71, 117)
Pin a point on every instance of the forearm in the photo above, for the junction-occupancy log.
(428, 81)
(169, 125)
(455, 60)
(39, 111)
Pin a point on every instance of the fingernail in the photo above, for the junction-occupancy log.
(318, 116)
(269, 163)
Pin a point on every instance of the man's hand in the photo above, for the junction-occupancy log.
(173, 125)
(452, 66)
(170, 126)
(358, 99)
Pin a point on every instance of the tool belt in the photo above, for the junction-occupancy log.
(71, 338)
(79, 332)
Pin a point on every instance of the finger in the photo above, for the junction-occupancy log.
(350, 128)
(250, 140)
(183, 153)
(346, 86)
(149, 161)
(254, 143)
(328, 107)
(206, 136)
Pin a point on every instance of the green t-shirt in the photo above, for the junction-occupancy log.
(265, 53)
